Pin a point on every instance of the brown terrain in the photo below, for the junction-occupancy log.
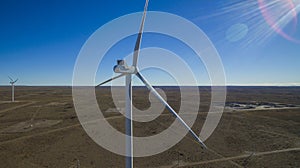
(41, 129)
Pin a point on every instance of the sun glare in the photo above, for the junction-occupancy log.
(264, 19)
(280, 13)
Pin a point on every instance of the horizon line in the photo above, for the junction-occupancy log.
(230, 85)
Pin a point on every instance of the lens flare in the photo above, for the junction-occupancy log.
(236, 32)
(279, 13)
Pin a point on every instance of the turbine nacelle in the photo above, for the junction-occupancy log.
(123, 68)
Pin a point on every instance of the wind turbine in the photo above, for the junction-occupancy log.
(124, 70)
(12, 82)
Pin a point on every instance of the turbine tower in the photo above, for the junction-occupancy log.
(124, 70)
(12, 82)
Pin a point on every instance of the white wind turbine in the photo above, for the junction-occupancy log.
(12, 82)
(124, 70)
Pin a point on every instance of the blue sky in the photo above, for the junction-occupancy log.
(40, 40)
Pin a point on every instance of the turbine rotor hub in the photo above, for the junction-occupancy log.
(122, 67)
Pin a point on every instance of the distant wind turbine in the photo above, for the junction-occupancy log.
(12, 82)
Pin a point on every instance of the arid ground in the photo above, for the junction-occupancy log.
(41, 129)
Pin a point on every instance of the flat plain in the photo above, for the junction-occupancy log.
(41, 129)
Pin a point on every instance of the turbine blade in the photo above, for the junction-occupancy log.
(139, 38)
(16, 80)
(116, 77)
(10, 78)
(155, 93)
